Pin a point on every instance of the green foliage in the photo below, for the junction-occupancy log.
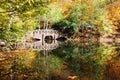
(55, 14)
(85, 58)
(18, 16)
(83, 14)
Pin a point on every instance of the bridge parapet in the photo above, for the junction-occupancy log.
(42, 33)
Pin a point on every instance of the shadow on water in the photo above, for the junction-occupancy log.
(69, 61)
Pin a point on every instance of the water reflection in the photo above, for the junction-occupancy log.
(70, 61)
(39, 45)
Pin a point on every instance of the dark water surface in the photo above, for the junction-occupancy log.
(69, 61)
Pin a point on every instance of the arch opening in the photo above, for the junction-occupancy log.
(48, 39)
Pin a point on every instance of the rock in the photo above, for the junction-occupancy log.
(2, 42)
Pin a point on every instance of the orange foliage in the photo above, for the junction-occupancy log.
(72, 77)
(85, 78)
(114, 14)
(113, 69)
(66, 7)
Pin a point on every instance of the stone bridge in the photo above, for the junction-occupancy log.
(44, 33)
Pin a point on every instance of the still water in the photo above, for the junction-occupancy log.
(61, 61)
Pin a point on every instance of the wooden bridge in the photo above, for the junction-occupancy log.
(42, 34)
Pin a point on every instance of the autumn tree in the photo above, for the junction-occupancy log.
(19, 16)
(114, 15)
(86, 14)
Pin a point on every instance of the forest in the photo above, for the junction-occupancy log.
(74, 18)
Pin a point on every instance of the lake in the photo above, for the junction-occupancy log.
(61, 61)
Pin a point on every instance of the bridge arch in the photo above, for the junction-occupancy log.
(42, 34)
(48, 37)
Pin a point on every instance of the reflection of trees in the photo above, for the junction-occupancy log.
(118, 49)
(85, 60)
(112, 70)
(45, 65)
(30, 65)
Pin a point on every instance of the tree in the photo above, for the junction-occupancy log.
(114, 15)
(86, 14)
(16, 16)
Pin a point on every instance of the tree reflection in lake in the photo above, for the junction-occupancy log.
(70, 61)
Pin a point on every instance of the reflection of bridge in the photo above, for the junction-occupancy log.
(47, 40)
(38, 45)
(43, 33)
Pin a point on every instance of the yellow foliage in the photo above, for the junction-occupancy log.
(65, 5)
(114, 14)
